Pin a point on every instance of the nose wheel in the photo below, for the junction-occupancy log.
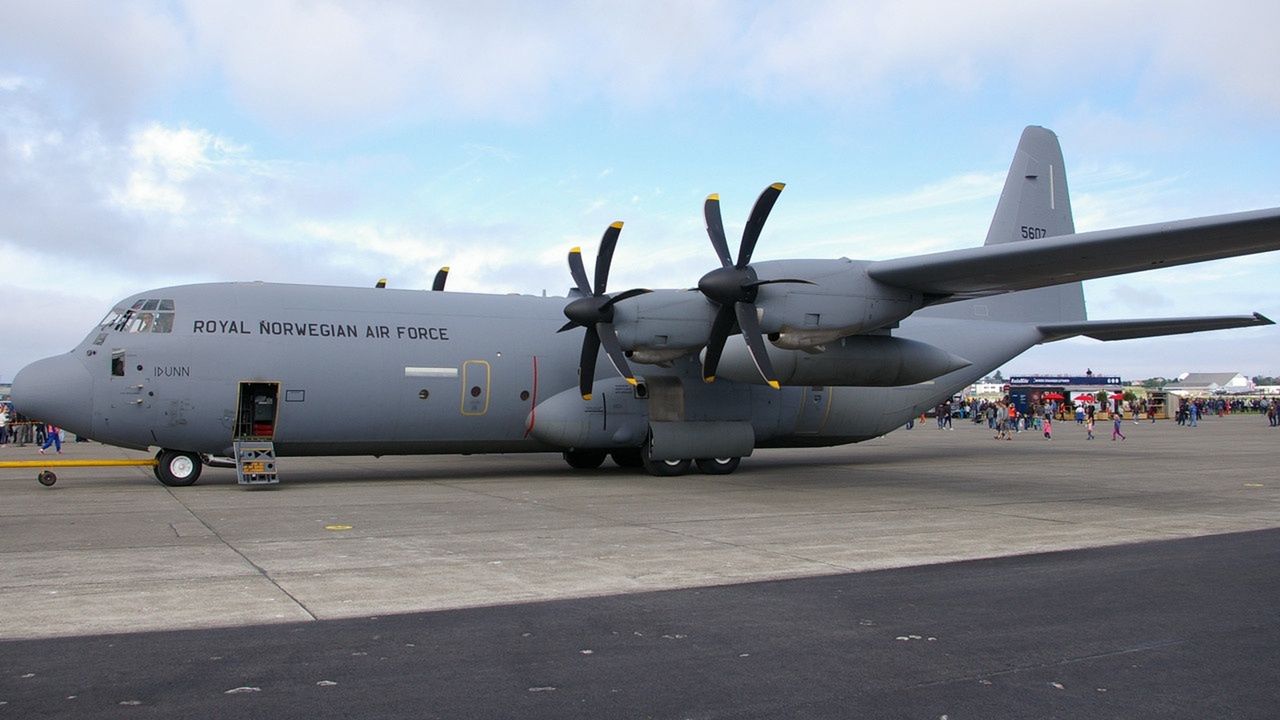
(177, 468)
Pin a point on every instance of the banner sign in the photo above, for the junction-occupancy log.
(1060, 380)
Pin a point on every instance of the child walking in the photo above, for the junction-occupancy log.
(1088, 426)
(1116, 418)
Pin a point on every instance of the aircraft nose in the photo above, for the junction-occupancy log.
(57, 390)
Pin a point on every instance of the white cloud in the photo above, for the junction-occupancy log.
(96, 189)
(356, 66)
(168, 168)
(114, 55)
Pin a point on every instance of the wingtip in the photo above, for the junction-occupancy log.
(1263, 319)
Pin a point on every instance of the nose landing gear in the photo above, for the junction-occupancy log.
(177, 468)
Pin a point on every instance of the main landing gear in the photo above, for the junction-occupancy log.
(634, 458)
(177, 468)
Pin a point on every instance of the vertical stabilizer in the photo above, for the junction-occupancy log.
(1034, 204)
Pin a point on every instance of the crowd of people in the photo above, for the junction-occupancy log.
(1191, 410)
(17, 430)
(1005, 418)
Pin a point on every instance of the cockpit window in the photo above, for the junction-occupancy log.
(144, 316)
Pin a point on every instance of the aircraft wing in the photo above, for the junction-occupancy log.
(1026, 264)
(1151, 327)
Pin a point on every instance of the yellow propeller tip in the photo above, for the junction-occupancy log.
(586, 396)
(616, 224)
(445, 268)
(709, 379)
(778, 186)
(775, 385)
(577, 251)
(714, 196)
(632, 381)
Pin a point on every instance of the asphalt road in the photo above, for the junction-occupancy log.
(1170, 629)
(925, 574)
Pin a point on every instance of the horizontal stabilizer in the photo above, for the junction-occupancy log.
(1152, 327)
(994, 269)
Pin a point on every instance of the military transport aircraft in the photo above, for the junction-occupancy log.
(782, 353)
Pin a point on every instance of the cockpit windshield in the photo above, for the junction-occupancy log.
(144, 316)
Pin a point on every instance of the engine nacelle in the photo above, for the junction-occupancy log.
(827, 300)
(839, 300)
(860, 360)
(664, 324)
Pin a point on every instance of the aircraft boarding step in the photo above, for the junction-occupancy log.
(255, 462)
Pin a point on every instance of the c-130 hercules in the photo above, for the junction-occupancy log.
(786, 353)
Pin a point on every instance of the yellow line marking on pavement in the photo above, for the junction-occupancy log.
(76, 463)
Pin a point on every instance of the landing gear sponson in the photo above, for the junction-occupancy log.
(635, 458)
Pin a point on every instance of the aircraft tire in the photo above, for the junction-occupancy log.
(718, 466)
(585, 459)
(177, 468)
(628, 458)
(666, 468)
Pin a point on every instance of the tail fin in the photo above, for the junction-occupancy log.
(1034, 204)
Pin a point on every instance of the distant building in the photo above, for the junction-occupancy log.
(984, 388)
(1210, 384)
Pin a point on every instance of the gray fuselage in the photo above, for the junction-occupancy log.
(376, 372)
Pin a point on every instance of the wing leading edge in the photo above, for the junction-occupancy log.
(1151, 327)
(994, 269)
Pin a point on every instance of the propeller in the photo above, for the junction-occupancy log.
(594, 311)
(441, 276)
(734, 286)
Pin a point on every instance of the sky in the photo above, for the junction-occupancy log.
(147, 144)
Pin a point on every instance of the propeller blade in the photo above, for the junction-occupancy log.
(758, 283)
(441, 276)
(750, 325)
(609, 339)
(567, 326)
(715, 229)
(382, 283)
(578, 271)
(720, 330)
(587, 364)
(759, 213)
(604, 258)
(624, 296)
